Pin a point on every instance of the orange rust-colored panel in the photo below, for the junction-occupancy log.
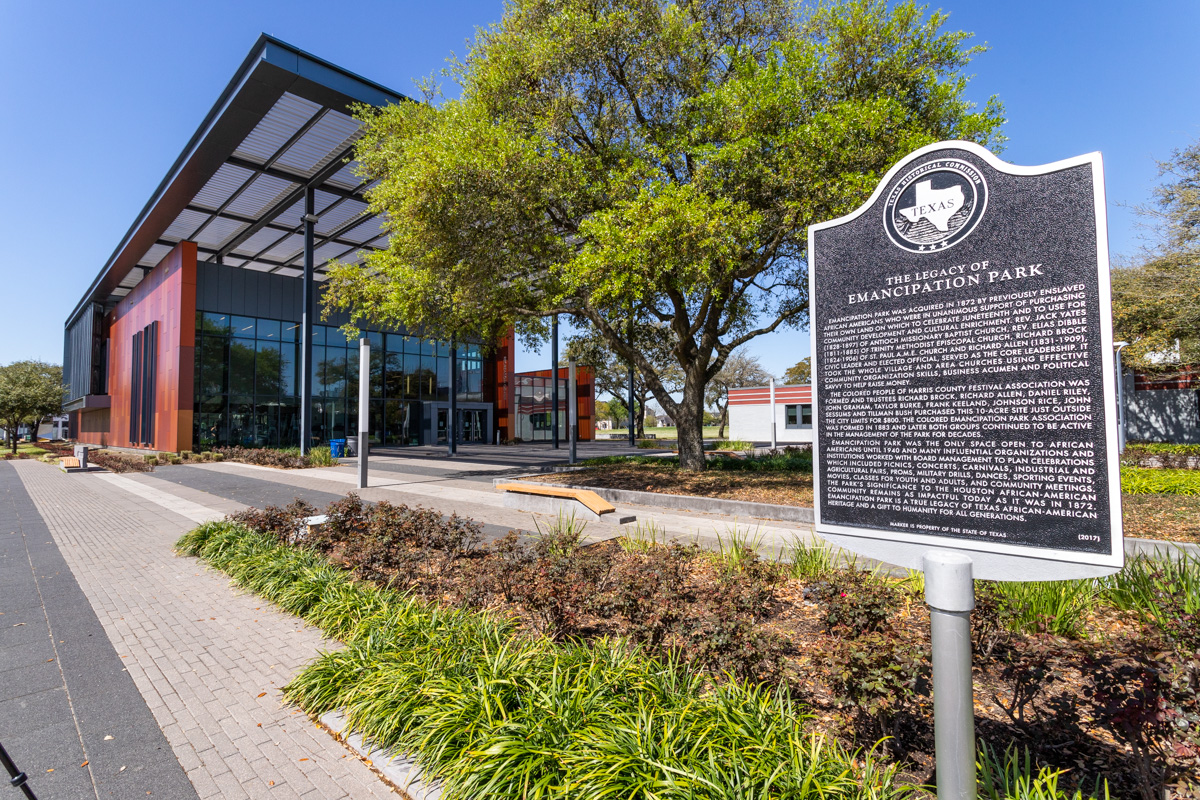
(167, 296)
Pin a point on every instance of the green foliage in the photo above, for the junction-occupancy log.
(644, 537)
(1057, 607)
(321, 457)
(651, 160)
(1012, 776)
(738, 546)
(736, 445)
(492, 714)
(1164, 590)
(857, 602)
(29, 392)
(877, 674)
(800, 373)
(280, 457)
(1156, 304)
(1163, 448)
(1160, 481)
(789, 459)
(810, 562)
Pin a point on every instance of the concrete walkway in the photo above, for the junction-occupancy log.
(206, 660)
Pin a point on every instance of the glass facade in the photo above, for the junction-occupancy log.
(248, 383)
(533, 402)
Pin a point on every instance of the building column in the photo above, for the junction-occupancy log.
(306, 325)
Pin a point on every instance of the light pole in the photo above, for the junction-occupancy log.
(1120, 397)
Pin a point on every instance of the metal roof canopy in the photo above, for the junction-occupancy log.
(237, 189)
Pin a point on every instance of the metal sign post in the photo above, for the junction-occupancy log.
(774, 441)
(364, 400)
(572, 407)
(963, 392)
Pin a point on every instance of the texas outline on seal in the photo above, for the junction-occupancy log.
(935, 205)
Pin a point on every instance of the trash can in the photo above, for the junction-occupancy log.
(81, 454)
(337, 448)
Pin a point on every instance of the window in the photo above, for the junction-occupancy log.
(797, 416)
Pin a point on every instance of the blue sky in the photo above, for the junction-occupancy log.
(99, 98)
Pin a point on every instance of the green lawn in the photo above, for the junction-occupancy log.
(22, 447)
(710, 432)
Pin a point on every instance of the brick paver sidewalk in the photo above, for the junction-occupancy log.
(208, 659)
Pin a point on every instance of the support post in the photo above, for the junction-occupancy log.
(632, 429)
(452, 422)
(774, 441)
(306, 324)
(554, 378)
(364, 399)
(950, 594)
(572, 407)
(1120, 399)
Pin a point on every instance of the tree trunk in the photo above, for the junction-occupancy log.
(12, 438)
(689, 423)
(724, 420)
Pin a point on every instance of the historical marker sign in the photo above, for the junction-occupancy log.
(963, 364)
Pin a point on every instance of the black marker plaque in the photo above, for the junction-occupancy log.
(962, 345)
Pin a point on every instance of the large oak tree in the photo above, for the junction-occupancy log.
(616, 157)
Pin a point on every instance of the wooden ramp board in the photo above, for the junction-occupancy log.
(594, 502)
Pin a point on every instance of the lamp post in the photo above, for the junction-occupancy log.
(1120, 397)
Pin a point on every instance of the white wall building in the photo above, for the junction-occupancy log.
(750, 414)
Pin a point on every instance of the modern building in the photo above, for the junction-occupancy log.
(751, 414)
(202, 327)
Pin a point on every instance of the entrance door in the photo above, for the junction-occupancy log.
(472, 427)
(442, 416)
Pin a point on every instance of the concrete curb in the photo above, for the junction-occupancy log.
(402, 772)
(741, 508)
(1157, 547)
(682, 502)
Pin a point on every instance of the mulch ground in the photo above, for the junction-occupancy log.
(778, 488)
(1148, 516)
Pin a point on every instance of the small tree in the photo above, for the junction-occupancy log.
(800, 373)
(30, 391)
(1156, 305)
(740, 370)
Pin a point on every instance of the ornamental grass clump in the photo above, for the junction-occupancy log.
(490, 712)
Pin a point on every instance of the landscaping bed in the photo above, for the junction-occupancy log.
(278, 457)
(566, 666)
(1162, 504)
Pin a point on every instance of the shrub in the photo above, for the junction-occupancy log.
(789, 459)
(490, 713)
(262, 456)
(119, 462)
(321, 457)
(857, 603)
(878, 674)
(722, 634)
(650, 592)
(1165, 591)
(810, 561)
(282, 524)
(1057, 607)
(563, 579)
(1135, 480)
(1012, 776)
